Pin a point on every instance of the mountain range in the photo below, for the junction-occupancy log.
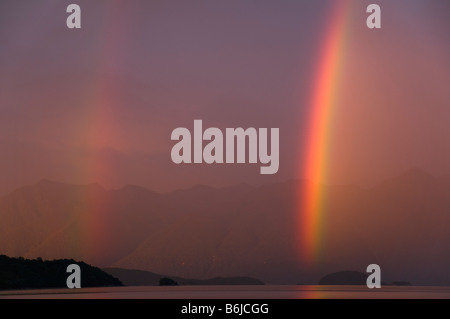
(238, 231)
(132, 277)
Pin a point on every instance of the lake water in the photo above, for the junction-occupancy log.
(234, 292)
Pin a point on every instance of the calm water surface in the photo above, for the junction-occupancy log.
(234, 292)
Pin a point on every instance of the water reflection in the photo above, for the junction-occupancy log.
(234, 292)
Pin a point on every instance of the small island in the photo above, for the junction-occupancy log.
(355, 278)
(134, 277)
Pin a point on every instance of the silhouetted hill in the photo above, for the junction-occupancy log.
(132, 277)
(346, 277)
(20, 273)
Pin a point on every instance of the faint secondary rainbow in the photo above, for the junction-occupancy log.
(98, 136)
(323, 102)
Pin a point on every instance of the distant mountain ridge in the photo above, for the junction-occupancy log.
(351, 277)
(205, 232)
(133, 277)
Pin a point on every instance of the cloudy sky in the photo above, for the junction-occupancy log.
(98, 105)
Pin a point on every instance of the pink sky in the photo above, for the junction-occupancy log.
(99, 104)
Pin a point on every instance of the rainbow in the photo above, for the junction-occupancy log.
(99, 133)
(323, 103)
